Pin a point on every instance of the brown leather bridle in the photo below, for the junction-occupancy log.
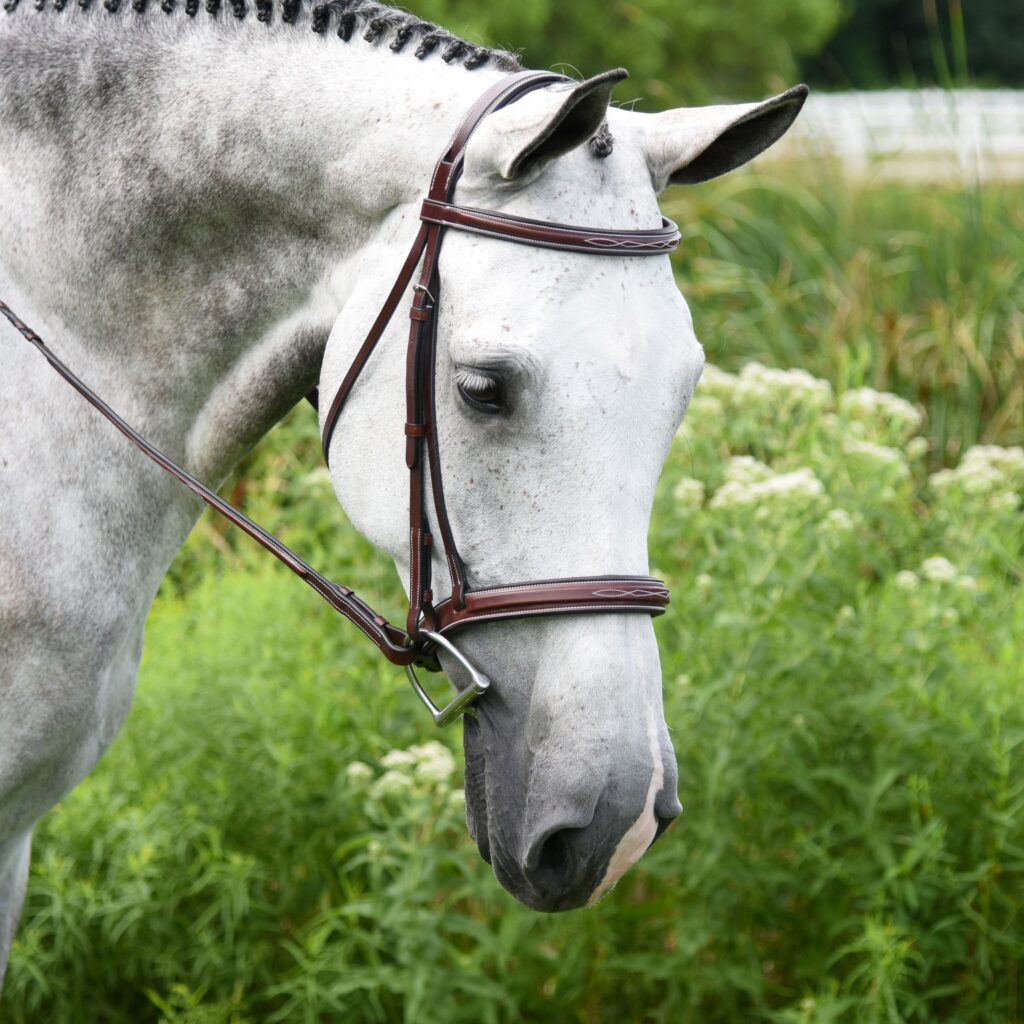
(427, 623)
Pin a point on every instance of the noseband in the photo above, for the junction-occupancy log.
(428, 625)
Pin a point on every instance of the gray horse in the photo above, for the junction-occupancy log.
(201, 211)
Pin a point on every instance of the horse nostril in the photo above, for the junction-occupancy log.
(663, 823)
(552, 865)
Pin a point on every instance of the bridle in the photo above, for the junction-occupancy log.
(428, 625)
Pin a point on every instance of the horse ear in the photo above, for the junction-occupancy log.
(694, 144)
(543, 125)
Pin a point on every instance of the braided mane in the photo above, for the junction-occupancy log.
(375, 22)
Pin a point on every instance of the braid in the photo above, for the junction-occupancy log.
(374, 21)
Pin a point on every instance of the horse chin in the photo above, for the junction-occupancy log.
(476, 787)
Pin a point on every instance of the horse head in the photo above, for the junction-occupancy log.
(561, 379)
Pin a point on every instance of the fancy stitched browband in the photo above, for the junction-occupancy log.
(427, 624)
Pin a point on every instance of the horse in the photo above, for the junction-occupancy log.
(201, 210)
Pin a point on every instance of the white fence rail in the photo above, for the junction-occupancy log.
(927, 134)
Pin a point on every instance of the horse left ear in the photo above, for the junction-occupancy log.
(543, 125)
(694, 144)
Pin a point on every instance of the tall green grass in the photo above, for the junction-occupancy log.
(907, 288)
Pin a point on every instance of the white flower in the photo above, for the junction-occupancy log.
(1009, 461)
(985, 470)
(1006, 502)
(392, 783)
(457, 799)
(745, 469)
(703, 581)
(845, 616)
(800, 488)
(434, 762)
(942, 480)
(703, 406)
(966, 583)
(917, 448)
(837, 520)
(880, 455)
(939, 570)
(358, 771)
(907, 580)
(791, 387)
(398, 759)
(893, 414)
(715, 382)
(689, 494)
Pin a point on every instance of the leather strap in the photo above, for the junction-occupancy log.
(542, 234)
(551, 597)
(387, 311)
(392, 642)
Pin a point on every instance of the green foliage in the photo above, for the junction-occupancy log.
(943, 42)
(272, 840)
(676, 52)
(275, 836)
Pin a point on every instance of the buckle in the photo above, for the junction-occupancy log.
(460, 703)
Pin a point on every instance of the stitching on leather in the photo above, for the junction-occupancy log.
(556, 610)
(584, 582)
(582, 245)
(668, 228)
(413, 565)
(541, 243)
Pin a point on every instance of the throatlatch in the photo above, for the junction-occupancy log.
(428, 624)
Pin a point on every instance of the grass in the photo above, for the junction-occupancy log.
(905, 288)
(842, 677)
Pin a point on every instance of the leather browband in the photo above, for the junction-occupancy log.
(426, 622)
(543, 234)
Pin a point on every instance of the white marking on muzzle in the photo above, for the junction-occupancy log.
(640, 834)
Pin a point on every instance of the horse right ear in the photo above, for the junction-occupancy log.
(523, 137)
(694, 144)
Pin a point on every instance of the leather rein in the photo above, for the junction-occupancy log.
(428, 624)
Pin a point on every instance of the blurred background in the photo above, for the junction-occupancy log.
(278, 833)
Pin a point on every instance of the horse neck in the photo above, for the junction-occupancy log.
(197, 196)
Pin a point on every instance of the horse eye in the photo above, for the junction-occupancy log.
(480, 391)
